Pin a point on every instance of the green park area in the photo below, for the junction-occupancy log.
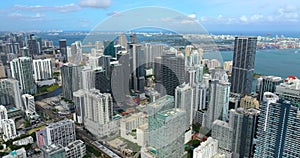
(46, 89)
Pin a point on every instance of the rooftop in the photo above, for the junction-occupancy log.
(52, 148)
(161, 101)
(60, 123)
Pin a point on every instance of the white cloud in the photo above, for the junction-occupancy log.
(289, 13)
(192, 16)
(244, 18)
(38, 8)
(35, 17)
(256, 17)
(95, 3)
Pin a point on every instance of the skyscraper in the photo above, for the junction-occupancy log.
(218, 98)
(137, 61)
(243, 65)
(34, 46)
(152, 51)
(289, 90)
(222, 132)
(42, 69)
(166, 133)
(267, 84)
(87, 78)
(75, 54)
(243, 122)
(278, 128)
(21, 70)
(184, 101)
(71, 77)
(98, 112)
(117, 79)
(172, 72)
(63, 49)
(79, 102)
(10, 93)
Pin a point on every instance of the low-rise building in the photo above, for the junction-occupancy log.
(53, 151)
(20, 153)
(75, 149)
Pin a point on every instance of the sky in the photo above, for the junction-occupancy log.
(213, 15)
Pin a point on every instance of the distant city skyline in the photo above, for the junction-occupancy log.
(215, 15)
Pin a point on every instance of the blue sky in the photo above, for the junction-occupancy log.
(214, 15)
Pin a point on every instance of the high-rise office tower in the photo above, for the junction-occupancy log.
(152, 51)
(78, 99)
(200, 97)
(75, 56)
(42, 69)
(289, 90)
(63, 49)
(137, 61)
(21, 70)
(34, 46)
(278, 128)
(184, 101)
(109, 48)
(163, 118)
(243, 122)
(194, 58)
(102, 82)
(25, 52)
(62, 133)
(9, 129)
(219, 91)
(267, 84)
(222, 132)
(157, 69)
(172, 72)
(104, 62)
(71, 77)
(122, 40)
(117, 78)
(243, 65)
(10, 93)
(123, 58)
(87, 78)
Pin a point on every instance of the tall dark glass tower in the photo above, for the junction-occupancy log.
(278, 133)
(243, 65)
(172, 72)
(63, 49)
